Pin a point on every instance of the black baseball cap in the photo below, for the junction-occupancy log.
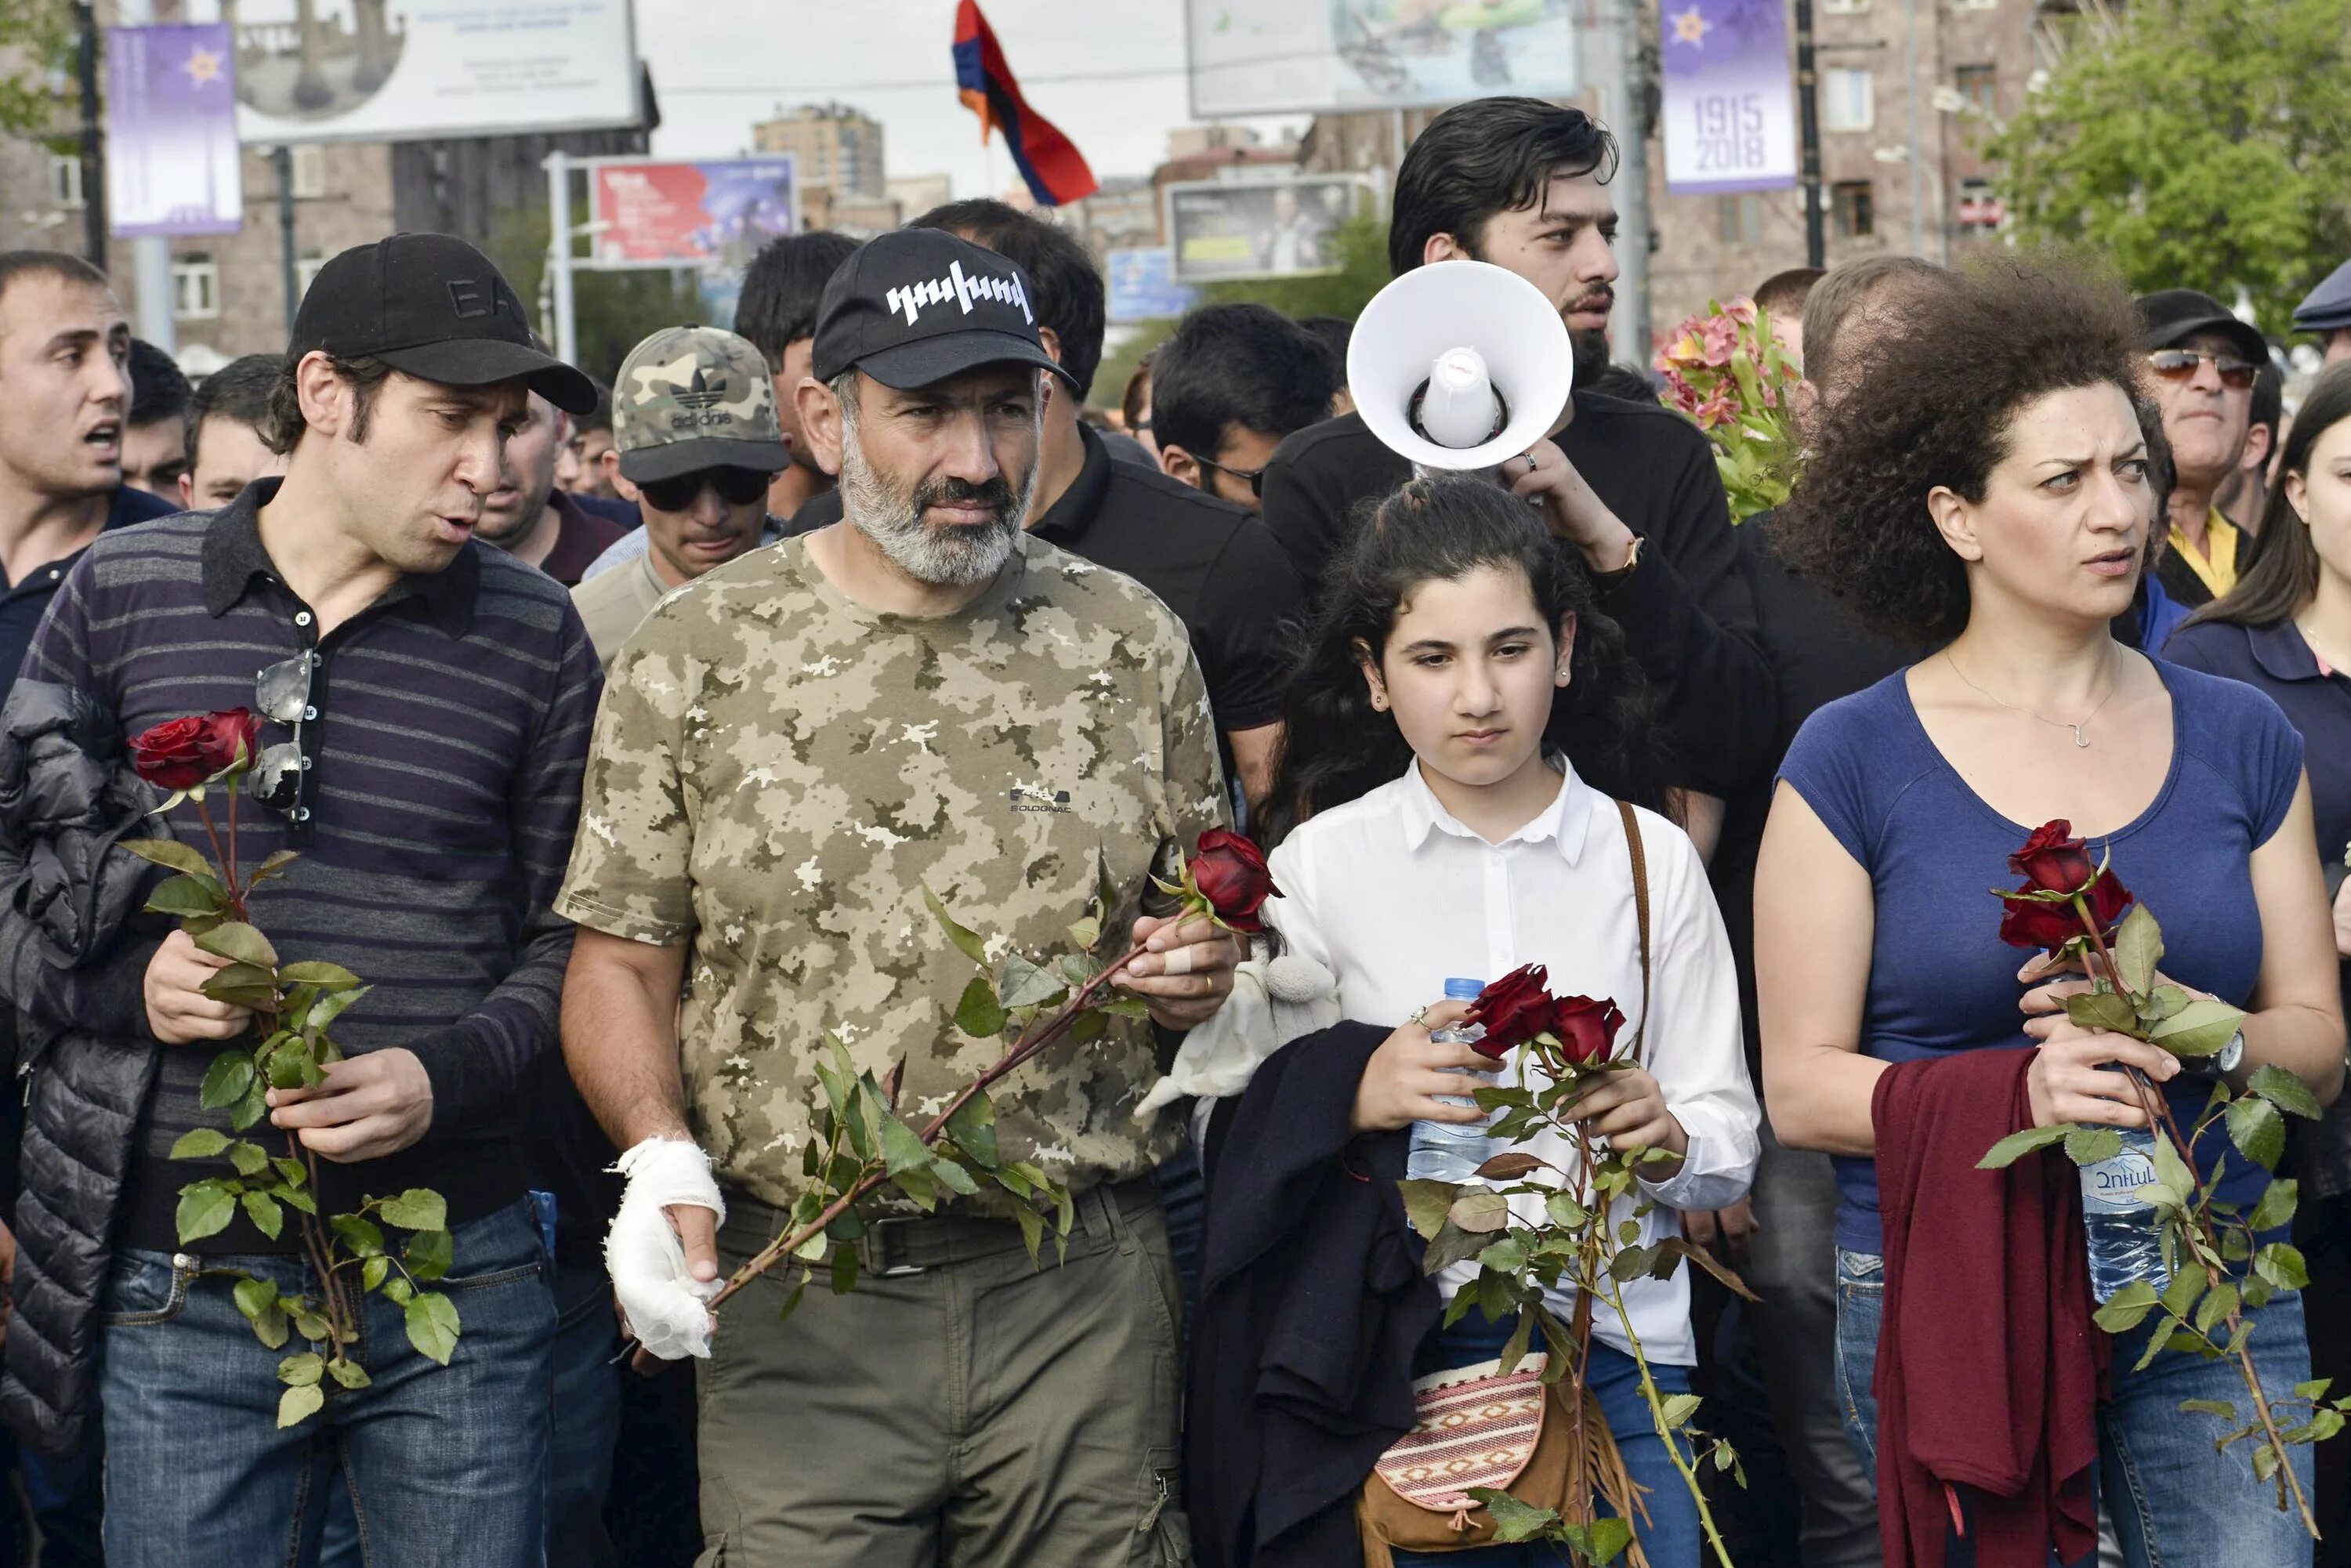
(435, 308)
(914, 306)
(2172, 316)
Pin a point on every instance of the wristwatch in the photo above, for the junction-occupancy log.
(2227, 1059)
(1631, 559)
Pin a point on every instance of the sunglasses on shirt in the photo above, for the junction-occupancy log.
(736, 486)
(2179, 365)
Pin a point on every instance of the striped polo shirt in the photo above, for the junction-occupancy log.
(440, 789)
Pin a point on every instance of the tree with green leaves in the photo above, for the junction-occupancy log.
(2197, 143)
(37, 39)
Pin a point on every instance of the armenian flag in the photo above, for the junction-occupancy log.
(1055, 170)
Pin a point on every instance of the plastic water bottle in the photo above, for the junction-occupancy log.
(2125, 1243)
(1451, 1151)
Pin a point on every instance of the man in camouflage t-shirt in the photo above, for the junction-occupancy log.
(792, 747)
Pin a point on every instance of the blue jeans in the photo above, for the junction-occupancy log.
(1672, 1537)
(2175, 1501)
(446, 1465)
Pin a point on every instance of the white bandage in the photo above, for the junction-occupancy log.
(1178, 961)
(661, 1295)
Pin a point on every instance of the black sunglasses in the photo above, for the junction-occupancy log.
(282, 693)
(736, 486)
(1253, 477)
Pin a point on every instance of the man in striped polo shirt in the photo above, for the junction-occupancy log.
(427, 702)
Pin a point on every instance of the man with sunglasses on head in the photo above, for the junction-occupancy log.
(426, 701)
(2202, 363)
(695, 442)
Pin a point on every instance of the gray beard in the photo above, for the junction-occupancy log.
(956, 557)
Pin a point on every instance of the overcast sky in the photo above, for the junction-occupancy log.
(890, 58)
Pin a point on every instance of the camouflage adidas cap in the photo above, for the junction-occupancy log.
(690, 398)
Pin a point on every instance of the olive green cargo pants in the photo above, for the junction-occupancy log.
(963, 1408)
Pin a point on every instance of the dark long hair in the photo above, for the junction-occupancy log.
(2284, 571)
(1335, 746)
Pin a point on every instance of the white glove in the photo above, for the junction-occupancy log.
(645, 1256)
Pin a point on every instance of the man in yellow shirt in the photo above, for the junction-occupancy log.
(2202, 363)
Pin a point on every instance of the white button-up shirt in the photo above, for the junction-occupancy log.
(1394, 895)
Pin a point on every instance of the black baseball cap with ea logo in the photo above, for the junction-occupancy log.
(432, 306)
(917, 306)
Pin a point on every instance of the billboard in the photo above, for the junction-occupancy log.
(646, 212)
(366, 70)
(1143, 286)
(1224, 229)
(1730, 100)
(1279, 57)
(171, 155)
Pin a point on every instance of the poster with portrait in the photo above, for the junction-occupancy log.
(1280, 56)
(1221, 229)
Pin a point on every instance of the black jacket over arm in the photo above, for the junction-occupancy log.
(1312, 1303)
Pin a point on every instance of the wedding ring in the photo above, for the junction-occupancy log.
(1531, 465)
(1178, 961)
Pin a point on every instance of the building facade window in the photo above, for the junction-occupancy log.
(1854, 207)
(1979, 208)
(1843, 7)
(65, 182)
(1980, 86)
(1848, 98)
(1740, 219)
(310, 171)
(195, 288)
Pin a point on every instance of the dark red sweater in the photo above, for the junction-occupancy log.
(1988, 1364)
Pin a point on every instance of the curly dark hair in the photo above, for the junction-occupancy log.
(1441, 527)
(1931, 405)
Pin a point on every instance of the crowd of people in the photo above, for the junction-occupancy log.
(622, 733)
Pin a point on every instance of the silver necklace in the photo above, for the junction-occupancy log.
(2080, 738)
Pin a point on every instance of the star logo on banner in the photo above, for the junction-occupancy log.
(203, 67)
(1691, 27)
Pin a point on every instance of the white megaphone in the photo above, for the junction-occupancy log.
(1459, 365)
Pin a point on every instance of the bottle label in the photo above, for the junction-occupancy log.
(2112, 1185)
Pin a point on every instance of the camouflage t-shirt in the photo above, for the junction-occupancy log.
(778, 771)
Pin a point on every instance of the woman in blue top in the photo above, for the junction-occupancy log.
(1986, 485)
(2285, 629)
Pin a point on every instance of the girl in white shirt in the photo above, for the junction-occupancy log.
(1457, 666)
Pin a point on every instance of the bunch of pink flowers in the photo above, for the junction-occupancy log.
(1728, 374)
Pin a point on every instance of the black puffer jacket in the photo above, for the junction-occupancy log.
(73, 962)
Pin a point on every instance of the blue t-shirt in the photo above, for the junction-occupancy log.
(1940, 979)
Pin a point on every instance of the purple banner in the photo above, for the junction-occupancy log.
(172, 164)
(1729, 101)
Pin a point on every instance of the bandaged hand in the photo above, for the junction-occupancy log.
(656, 1287)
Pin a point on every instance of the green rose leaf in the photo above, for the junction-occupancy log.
(271, 1328)
(188, 897)
(331, 1005)
(2256, 1128)
(1480, 1209)
(275, 865)
(398, 1292)
(1021, 984)
(227, 1080)
(1085, 933)
(432, 1320)
(2220, 1408)
(202, 1144)
(2136, 948)
(2277, 1205)
(205, 1209)
(2285, 1091)
(2127, 1308)
(326, 976)
(245, 944)
(250, 1106)
(978, 1014)
(249, 1159)
(292, 1197)
(348, 1372)
(240, 980)
(373, 1271)
(2282, 1266)
(303, 1369)
(171, 853)
(2088, 1145)
(429, 1254)
(920, 1189)
(418, 1208)
(966, 939)
(1680, 1409)
(2163, 1002)
(1426, 1204)
(2105, 1010)
(972, 1128)
(954, 1178)
(299, 1404)
(255, 1296)
(1451, 1245)
(266, 1216)
(2203, 1028)
(2016, 1145)
(1513, 1520)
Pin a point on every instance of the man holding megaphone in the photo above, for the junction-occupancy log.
(1483, 367)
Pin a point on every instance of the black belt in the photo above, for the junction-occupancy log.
(902, 1244)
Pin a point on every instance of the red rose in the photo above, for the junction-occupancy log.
(2050, 924)
(1513, 1010)
(2052, 860)
(1230, 874)
(1586, 1027)
(182, 753)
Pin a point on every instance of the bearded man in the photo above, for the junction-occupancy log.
(792, 747)
(1523, 185)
